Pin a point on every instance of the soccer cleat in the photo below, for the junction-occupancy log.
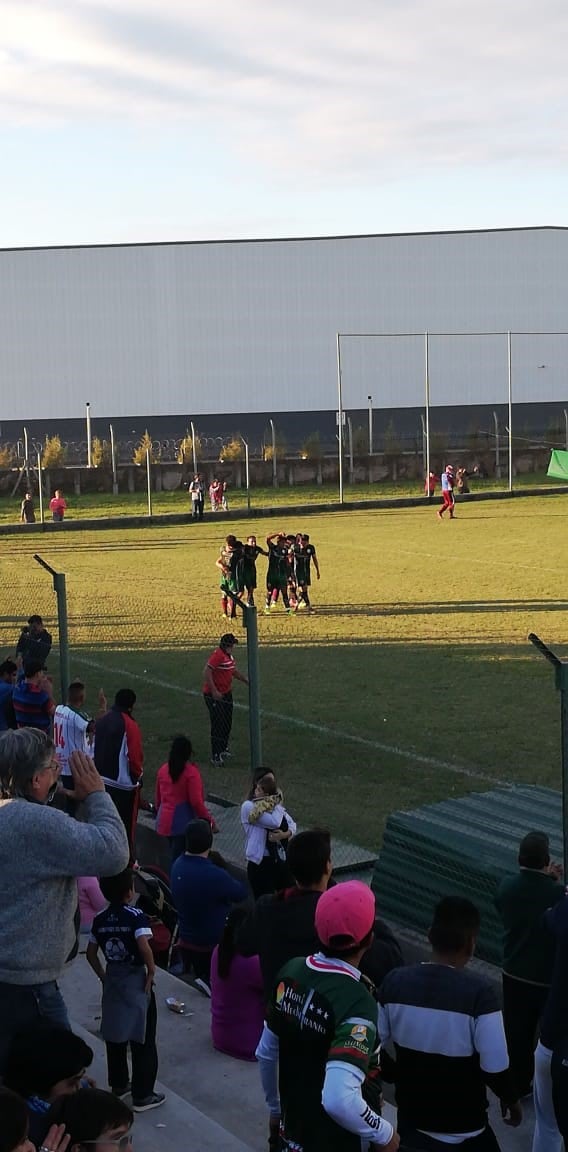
(273, 605)
(311, 611)
(224, 615)
(439, 513)
(152, 1101)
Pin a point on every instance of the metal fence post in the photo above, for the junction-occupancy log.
(255, 730)
(40, 487)
(561, 679)
(149, 481)
(60, 590)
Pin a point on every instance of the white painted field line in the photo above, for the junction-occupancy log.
(377, 745)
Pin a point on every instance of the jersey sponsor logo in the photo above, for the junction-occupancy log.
(359, 1033)
(280, 992)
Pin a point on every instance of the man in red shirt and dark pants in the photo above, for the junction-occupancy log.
(119, 759)
(217, 693)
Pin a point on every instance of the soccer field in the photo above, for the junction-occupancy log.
(414, 681)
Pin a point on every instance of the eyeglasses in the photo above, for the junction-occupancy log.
(122, 1144)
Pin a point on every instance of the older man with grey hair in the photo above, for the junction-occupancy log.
(42, 852)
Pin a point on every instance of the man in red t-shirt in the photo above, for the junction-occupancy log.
(217, 693)
(58, 506)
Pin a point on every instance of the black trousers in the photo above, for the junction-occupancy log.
(197, 962)
(413, 1141)
(127, 801)
(523, 1005)
(197, 509)
(221, 717)
(559, 1074)
(269, 876)
(144, 1061)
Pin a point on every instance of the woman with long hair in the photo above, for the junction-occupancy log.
(237, 994)
(180, 795)
(267, 827)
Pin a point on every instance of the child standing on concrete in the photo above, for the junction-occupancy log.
(122, 933)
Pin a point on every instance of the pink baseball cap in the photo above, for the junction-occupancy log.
(345, 914)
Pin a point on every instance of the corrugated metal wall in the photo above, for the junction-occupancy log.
(250, 326)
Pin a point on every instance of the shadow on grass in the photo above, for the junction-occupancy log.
(355, 732)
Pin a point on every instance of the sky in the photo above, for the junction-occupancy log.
(151, 120)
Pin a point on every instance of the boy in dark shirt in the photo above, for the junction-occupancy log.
(122, 933)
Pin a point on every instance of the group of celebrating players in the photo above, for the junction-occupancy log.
(289, 572)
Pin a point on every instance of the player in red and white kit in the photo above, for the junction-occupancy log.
(448, 502)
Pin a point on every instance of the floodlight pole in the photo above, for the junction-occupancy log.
(510, 402)
(89, 441)
(193, 449)
(350, 433)
(497, 449)
(566, 426)
(247, 471)
(113, 461)
(149, 481)
(561, 680)
(274, 462)
(40, 490)
(340, 417)
(370, 402)
(427, 408)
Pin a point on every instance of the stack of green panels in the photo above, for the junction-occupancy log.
(461, 848)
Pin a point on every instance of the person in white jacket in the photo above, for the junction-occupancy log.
(267, 828)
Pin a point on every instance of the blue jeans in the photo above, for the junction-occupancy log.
(23, 1006)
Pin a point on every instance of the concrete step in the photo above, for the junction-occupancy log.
(213, 1101)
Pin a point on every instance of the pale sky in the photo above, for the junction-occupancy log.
(141, 120)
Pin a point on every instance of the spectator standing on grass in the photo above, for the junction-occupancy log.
(8, 671)
(119, 759)
(180, 796)
(320, 1040)
(197, 497)
(129, 1014)
(44, 1065)
(27, 510)
(58, 506)
(203, 893)
(528, 950)
(448, 502)
(237, 994)
(267, 827)
(34, 641)
(42, 853)
(447, 1029)
(32, 697)
(218, 676)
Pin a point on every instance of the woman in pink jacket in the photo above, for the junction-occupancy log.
(237, 995)
(180, 796)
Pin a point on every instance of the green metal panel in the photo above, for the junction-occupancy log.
(461, 847)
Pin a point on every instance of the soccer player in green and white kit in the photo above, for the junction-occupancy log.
(320, 1038)
(304, 553)
(250, 552)
(278, 571)
(230, 565)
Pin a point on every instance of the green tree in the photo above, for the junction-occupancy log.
(54, 453)
(311, 448)
(142, 449)
(185, 450)
(7, 455)
(100, 453)
(233, 450)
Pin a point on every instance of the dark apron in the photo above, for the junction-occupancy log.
(124, 1004)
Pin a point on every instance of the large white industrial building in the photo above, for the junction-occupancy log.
(244, 327)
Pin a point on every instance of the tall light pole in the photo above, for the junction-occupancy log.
(510, 406)
(274, 462)
(193, 448)
(247, 471)
(370, 400)
(89, 445)
(340, 418)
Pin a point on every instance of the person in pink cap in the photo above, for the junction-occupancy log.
(319, 1043)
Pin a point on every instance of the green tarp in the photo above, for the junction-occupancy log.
(558, 466)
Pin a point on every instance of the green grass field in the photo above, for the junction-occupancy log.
(95, 504)
(414, 681)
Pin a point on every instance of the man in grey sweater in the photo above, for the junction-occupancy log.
(42, 852)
